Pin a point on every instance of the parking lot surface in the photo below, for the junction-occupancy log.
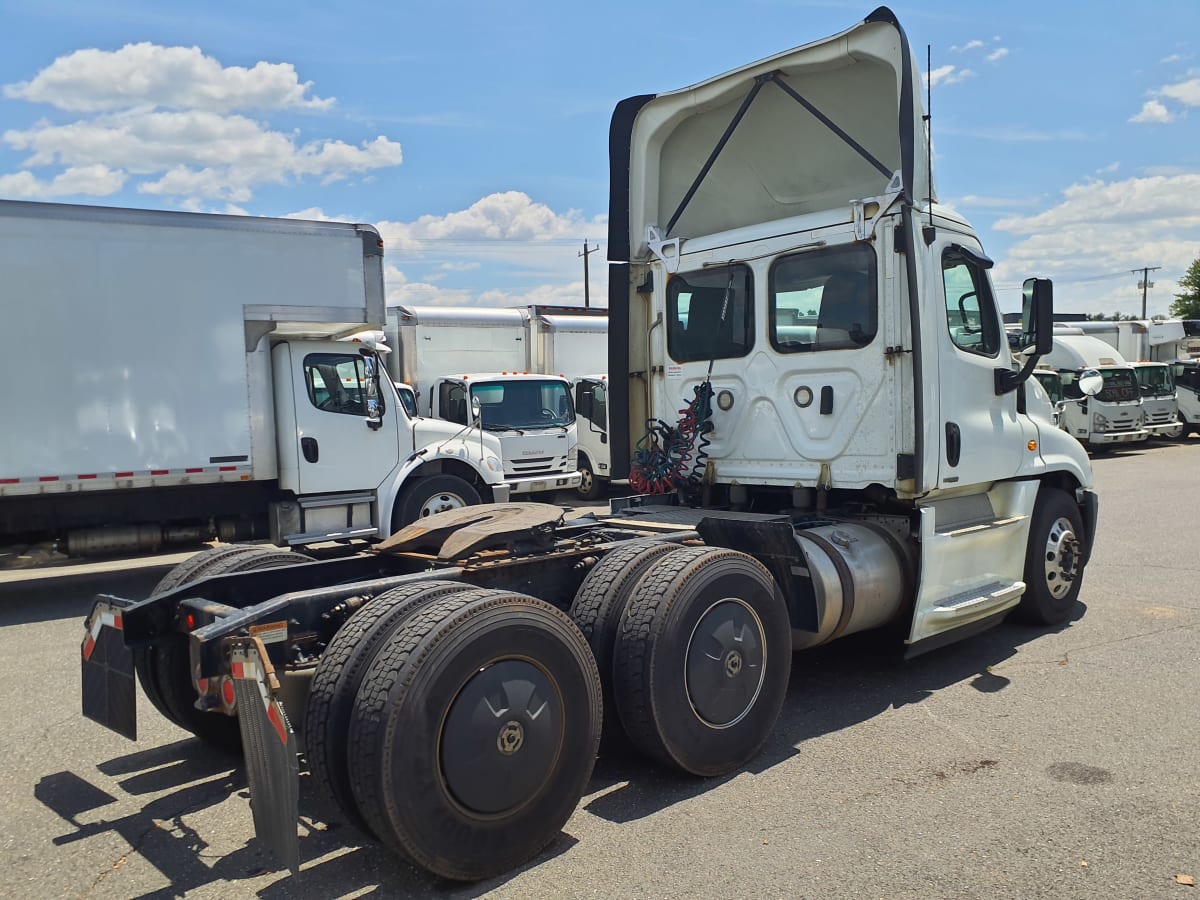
(1020, 763)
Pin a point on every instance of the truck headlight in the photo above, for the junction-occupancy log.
(573, 458)
(494, 464)
(1141, 419)
(1099, 422)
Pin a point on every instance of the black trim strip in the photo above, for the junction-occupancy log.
(905, 124)
(620, 135)
(914, 325)
(214, 460)
(620, 450)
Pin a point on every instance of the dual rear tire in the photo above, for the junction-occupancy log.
(694, 649)
(460, 726)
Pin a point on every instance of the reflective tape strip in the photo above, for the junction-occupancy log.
(106, 618)
(130, 473)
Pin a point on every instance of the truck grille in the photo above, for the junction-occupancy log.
(535, 465)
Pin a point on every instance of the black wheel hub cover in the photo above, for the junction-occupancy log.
(501, 737)
(725, 663)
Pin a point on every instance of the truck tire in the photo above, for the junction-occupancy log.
(164, 668)
(597, 610)
(702, 660)
(1177, 431)
(474, 733)
(429, 495)
(1053, 564)
(591, 485)
(338, 677)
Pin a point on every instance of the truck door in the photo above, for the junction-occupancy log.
(341, 449)
(982, 437)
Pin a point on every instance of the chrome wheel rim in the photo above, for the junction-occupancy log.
(1062, 557)
(441, 503)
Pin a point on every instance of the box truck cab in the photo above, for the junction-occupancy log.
(591, 407)
(1160, 400)
(1051, 385)
(1116, 415)
(452, 356)
(1187, 386)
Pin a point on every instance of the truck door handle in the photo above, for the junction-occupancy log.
(953, 444)
(308, 446)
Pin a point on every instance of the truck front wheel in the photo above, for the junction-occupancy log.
(474, 732)
(591, 485)
(701, 664)
(1053, 560)
(430, 495)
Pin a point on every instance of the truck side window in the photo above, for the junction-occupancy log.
(695, 300)
(337, 383)
(453, 402)
(970, 309)
(824, 300)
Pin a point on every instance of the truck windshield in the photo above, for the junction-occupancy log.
(523, 404)
(1156, 381)
(1119, 384)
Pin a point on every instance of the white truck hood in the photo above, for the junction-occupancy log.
(784, 156)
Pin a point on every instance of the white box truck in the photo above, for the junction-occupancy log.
(1117, 414)
(1187, 384)
(1147, 346)
(881, 470)
(454, 357)
(185, 383)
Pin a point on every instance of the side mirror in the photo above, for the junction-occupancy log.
(1037, 315)
(374, 408)
(1091, 382)
(476, 409)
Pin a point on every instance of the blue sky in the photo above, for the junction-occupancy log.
(474, 134)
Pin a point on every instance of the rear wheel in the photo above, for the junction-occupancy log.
(430, 495)
(701, 663)
(1053, 560)
(474, 732)
(1177, 429)
(599, 606)
(165, 668)
(339, 676)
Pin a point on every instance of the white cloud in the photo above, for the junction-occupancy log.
(1110, 169)
(1097, 233)
(503, 250)
(1153, 111)
(978, 201)
(947, 75)
(998, 54)
(969, 45)
(152, 76)
(161, 120)
(1186, 92)
(93, 181)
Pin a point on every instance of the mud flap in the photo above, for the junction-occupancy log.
(270, 747)
(109, 696)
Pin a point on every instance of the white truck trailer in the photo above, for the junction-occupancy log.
(196, 388)
(1116, 415)
(886, 471)
(455, 357)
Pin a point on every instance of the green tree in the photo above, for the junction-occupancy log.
(1187, 303)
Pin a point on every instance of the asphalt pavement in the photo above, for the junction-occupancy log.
(1021, 763)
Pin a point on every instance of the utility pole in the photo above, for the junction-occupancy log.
(1145, 282)
(587, 300)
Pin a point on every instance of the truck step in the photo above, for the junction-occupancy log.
(977, 602)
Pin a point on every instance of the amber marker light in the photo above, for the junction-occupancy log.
(1032, 445)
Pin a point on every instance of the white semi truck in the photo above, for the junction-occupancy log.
(198, 389)
(1117, 414)
(857, 450)
(460, 358)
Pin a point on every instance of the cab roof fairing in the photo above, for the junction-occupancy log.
(780, 159)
